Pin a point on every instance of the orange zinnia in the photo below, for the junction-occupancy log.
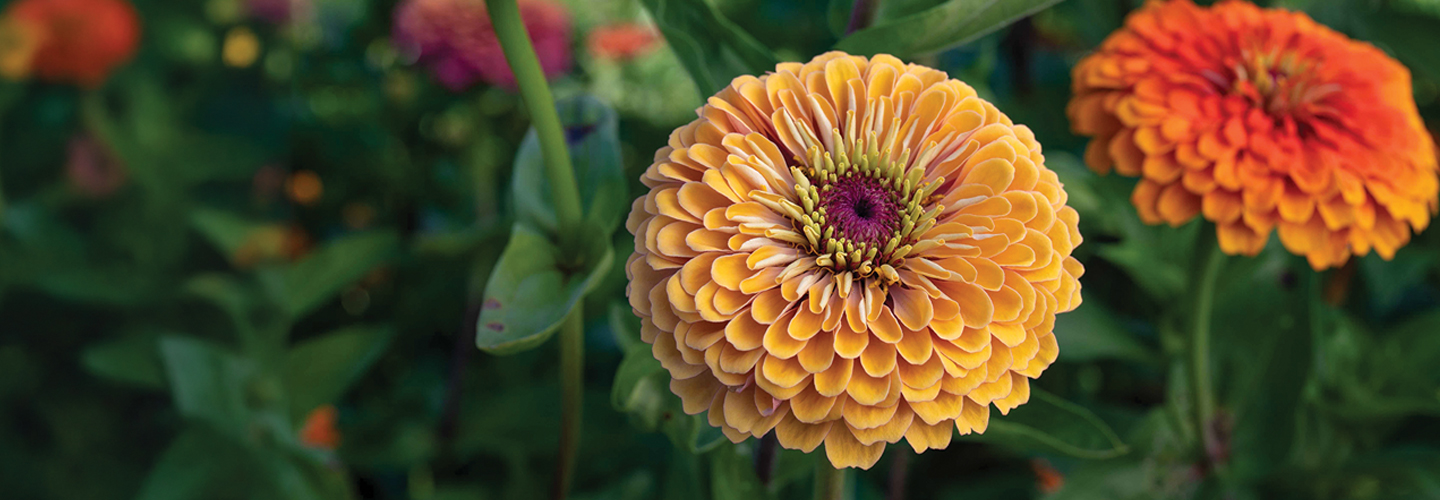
(1260, 119)
(851, 251)
(77, 42)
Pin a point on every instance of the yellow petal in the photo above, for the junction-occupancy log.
(844, 450)
(923, 436)
(889, 432)
(833, 381)
(912, 307)
(878, 359)
(796, 435)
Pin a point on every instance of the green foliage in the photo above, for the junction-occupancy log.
(915, 27)
(1050, 424)
(713, 49)
(536, 284)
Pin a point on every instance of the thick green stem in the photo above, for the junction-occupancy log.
(515, 42)
(830, 482)
(1210, 260)
(572, 392)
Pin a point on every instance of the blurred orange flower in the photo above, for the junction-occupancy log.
(319, 430)
(622, 41)
(76, 42)
(1259, 119)
(852, 251)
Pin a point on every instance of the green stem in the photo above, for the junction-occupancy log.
(1210, 260)
(515, 42)
(830, 482)
(572, 385)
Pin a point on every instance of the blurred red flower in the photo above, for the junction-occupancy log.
(455, 39)
(76, 42)
(621, 41)
(319, 431)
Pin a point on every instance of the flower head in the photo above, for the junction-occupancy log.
(456, 40)
(851, 251)
(279, 11)
(319, 431)
(1259, 119)
(92, 169)
(622, 41)
(76, 42)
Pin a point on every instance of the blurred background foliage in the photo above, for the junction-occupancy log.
(250, 266)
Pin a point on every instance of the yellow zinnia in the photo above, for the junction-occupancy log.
(852, 251)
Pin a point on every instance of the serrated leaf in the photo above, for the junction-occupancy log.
(197, 464)
(133, 360)
(529, 295)
(226, 231)
(1051, 424)
(946, 25)
(592, 133)
(319, 370)
(207, 382)
(712, 49)
(308, 284)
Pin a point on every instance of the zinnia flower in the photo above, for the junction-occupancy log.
(319, 431)
(76, 42)
(851, 251)
(1259, 119)
(279, 11)
(622, 41)
(456, 40)
(92, 168)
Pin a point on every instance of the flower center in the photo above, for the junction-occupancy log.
(863, 214)
(861, 209)
(1279, 83)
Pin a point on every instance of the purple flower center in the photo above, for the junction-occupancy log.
(861, 209)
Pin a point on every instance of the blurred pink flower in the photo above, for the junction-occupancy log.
(455, 39)
(92, 169)
(278, 11)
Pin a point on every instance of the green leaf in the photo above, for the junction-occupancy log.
(529, 295)
(1091, 332)
(318, 371)
(223, 229)
(712, 49)
(625, 324)
(952, 23)
(198, 464)
(642, 390)
(732, 474)
(207, 382)
(1053, 425)
(132, 359)
(1269, 393)
(838, 16)
(592, 133)
(311, 282)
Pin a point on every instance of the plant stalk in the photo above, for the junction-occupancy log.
(515, 42)
(1210, 260)
(830, 482)
(572, 392)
